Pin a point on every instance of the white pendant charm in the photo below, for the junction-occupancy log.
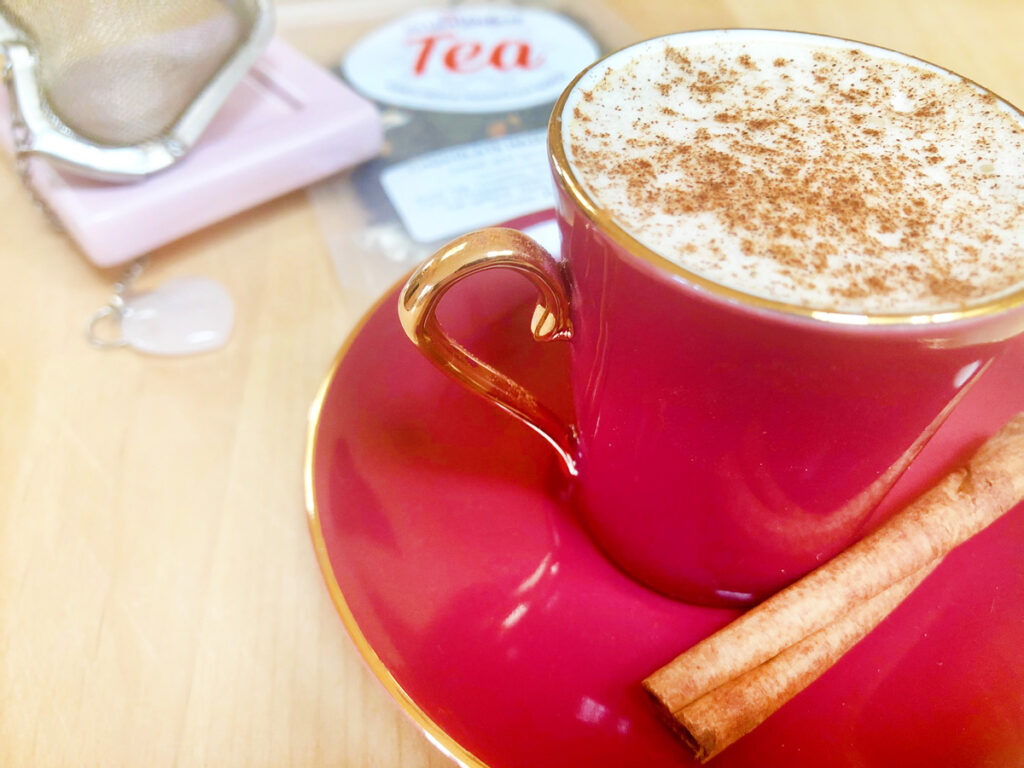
(183, 316)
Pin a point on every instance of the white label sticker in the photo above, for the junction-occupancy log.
(452, 191)
(475, 59)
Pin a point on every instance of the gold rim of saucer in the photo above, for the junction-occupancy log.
(434, 732)
(604, 220)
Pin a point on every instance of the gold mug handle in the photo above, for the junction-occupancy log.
(467, 255)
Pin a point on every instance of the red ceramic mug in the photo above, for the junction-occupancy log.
(724, 444)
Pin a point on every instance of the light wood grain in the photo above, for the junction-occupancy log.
(160, 604)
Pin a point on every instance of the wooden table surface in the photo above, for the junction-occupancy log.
(160, 604)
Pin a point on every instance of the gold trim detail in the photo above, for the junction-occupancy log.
(492, 248)
(601, 219)
(434, 733)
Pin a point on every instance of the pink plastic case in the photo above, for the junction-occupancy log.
(287, 124)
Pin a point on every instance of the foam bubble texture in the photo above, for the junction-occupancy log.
(808, 171)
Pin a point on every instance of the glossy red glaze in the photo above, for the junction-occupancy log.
(727, 450)
(468, 582)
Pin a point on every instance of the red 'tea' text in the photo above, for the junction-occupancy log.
(467, 56)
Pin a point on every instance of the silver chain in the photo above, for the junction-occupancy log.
(113, 310)
(21, 140)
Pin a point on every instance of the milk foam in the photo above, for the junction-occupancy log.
(806, 170)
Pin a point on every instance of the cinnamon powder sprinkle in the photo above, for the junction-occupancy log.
(854, 183)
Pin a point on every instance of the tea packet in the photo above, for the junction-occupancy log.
(465, 92)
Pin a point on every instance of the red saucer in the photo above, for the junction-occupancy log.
(483, 608)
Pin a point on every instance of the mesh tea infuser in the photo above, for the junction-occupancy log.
(120, 89)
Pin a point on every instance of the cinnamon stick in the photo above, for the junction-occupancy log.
(719, 718)
(751, 667)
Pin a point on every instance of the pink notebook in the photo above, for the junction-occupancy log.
(287, 124)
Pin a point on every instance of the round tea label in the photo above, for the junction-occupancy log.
(470, 59)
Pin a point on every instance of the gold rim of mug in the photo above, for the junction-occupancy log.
(567, 179)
